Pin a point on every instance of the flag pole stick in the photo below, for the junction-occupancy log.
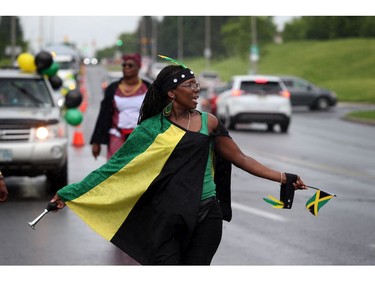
(319, 189)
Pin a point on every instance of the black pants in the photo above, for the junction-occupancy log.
(203, 243)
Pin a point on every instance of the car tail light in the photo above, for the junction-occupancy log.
(237, 92)
(285, 94)
(261, 81)
(205, 102)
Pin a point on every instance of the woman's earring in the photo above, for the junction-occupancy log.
(168, 109)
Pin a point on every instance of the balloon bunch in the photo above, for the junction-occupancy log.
(43, 63)
(73, 115)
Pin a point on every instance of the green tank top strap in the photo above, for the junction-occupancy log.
(204, 128)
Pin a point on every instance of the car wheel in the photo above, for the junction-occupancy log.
(321, 104)
(270, 127)
(284, 126)
(229, 123)
(59, 178)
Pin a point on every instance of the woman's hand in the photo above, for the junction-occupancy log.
(299, 184)
(95, 149)
(3, 191)
(60, 203)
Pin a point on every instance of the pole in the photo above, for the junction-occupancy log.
(207, 51)
(41, 33)
(309, 186)
(180, 38)
(143, 37)
(154, 38)
(13, 38)
(254, 36)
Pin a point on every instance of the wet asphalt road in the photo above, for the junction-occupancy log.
(326, 151)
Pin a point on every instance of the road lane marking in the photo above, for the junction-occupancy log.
(257, 212)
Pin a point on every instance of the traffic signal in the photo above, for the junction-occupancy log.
(119, 42)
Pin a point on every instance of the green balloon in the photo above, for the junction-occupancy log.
(73, 116)
(52, 70)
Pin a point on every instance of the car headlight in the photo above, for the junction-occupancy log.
(49, 132)
(41, 133)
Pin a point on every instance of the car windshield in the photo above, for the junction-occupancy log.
(20, 92)
(253, 87)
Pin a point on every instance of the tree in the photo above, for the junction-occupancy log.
(237, 34)
(6, 36)
(329, 27)
(193, 35)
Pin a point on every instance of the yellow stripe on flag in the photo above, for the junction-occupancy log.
(105, 207)
(276, 200)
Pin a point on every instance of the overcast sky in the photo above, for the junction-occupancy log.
(91, 32)
(88, 32)
(95, 25)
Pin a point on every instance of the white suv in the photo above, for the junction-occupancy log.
(33, 134)
(255, 99)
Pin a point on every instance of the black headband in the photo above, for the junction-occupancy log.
(176, 79)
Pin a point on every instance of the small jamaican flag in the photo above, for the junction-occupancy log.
(319, 199)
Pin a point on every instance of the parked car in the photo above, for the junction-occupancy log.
(214, 94)
(255, 99)
(305, 93)
(208, 78)
(33, 133)
(204, 103)
(155, 68)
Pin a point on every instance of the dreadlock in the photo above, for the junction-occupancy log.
(156, 98)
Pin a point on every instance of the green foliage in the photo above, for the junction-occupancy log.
(228, 35)
(346, 66)
(237, 34)
(190, 32)
(329, 27)
(5, 35)
(126, 43)
(368, 115)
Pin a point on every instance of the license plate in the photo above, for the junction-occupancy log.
(6, 155)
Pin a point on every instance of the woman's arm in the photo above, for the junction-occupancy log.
(232, 153)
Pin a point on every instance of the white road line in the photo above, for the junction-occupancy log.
(257, 212)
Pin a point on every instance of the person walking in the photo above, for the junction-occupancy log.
(164, 194)
(119, 108)
(3, 189)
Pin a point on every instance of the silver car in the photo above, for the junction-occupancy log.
(255, 99)
(33, 135)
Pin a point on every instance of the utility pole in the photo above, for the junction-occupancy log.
(180, 38)
(143, 37)
(52, 30)
(41, 33)
(207, 50)
(154, 41)
(254, 50)
(13, 38)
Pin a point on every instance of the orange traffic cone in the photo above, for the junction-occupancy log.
(83, 106)
(78, 138)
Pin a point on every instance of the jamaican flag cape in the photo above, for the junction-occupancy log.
(149, 188)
